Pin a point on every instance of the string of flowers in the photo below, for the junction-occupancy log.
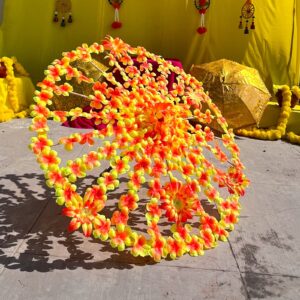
(148, 138)
(279, 131)
(11, 66)
(291, 136)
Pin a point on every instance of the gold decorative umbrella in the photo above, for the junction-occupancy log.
(237, 90)
(93, 69)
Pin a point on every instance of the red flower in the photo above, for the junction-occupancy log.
(129, 201)
(120, 218)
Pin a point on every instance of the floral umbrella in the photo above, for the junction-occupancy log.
(149, 140)
(237, 90)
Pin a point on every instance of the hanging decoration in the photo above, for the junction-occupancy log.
(202, 6)
(63, 12)
(116, 4)
(247, 13)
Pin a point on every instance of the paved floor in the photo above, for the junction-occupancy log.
(40, 260)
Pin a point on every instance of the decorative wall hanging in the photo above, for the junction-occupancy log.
(202, 6)
(1, 10)
(63, 11)
(182, 199)
(116, 4)
(247, 13)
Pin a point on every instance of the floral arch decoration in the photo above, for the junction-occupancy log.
(159, 139)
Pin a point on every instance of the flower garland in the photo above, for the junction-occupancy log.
(116, 4)
(11, 90)
(148, 138)
(280, 130)
(291, 136)
(202, 7)
(12, 65)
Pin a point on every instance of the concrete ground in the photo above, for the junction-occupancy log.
(40, 260)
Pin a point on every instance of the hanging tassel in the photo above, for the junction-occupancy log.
(116, 24)
(241, 23)
(63, 12)
(63, 22)
(246, 31)
(202, 6)
(247, 12)
(55, 18)
(252, 25)
(202, 29)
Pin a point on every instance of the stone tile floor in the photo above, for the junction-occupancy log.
(40, 260)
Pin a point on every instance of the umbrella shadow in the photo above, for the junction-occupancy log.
(33, 235)
(32, 228)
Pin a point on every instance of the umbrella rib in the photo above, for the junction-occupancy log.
(79, 95)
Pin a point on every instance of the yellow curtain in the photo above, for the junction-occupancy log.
(24, 91)
(166, 27)
(272, 48)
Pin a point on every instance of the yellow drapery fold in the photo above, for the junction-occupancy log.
(166, 27)
(24, 89)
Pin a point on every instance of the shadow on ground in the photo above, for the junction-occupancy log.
(33, 235)
(21, 226)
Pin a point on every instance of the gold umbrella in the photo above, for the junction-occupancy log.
(93, 69)
(237, 90)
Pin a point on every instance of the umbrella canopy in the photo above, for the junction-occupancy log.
(149, 143)
(237, 90)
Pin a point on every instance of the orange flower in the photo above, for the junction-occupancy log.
(63, 89)
(48, 158)
(55, 178)
(120, 218)
(91, 160)
(179, 202)
(153, 210)
(143, 163)
(39, 124)
(101, 227)
(97, 100)
(110, 180)
(120, 164)
(176, 248)
(158, 247)
(40, 143)
(195, 246)
(69, 141)
(84, 212)
(208, 238)
(120, 238)
(55, 72)
(140, 246)
(129, 201)
(87, 138)
(136, 180)
(155, 189)
(116, 46)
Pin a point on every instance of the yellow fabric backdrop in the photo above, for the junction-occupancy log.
(167, 27)
(24, 90)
